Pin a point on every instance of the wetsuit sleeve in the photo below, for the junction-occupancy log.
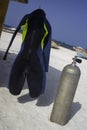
(47, 47)
(17, 29)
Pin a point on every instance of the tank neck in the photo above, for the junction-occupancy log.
(73, 63)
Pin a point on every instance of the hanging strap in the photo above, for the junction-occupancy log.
(18, 28)
(5, 56)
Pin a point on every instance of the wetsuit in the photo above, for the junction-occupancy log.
(32, 60)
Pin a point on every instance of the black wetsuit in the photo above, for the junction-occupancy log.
(32, 60)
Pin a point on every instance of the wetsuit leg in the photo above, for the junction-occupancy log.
(17, 75)
(35, 76)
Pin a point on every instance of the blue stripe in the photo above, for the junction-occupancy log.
(40, 55)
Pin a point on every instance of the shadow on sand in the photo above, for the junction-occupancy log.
(76, 106)
(5, 67)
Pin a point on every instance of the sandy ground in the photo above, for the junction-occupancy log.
(24, 113)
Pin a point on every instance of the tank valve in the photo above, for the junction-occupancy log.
(76, 59)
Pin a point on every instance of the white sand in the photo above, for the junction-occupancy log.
(22, 112)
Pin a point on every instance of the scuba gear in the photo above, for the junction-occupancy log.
(33, 59)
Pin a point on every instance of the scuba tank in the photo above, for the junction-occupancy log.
(65, 94)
